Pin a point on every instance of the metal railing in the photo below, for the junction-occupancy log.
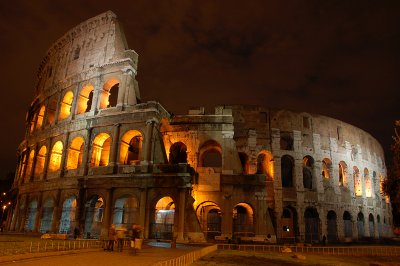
(188, 258)
(343, 251)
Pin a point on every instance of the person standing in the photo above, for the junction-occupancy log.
(111, 238)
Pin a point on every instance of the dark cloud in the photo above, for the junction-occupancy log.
(337, 58)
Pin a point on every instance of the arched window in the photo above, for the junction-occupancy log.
(66, 104)
(109, 94)
(75, 153)
(101, 150)
(51, 111)
(348, 225)
(55, 156)
(47, 216)
(244, 161)
(360, 225)
(85, 99)
(326, 168)
(308, 170)
(40, 117)
(265, 164)
(178, 153)
(210, 154)
(130, 151)
(368, 184)
(40, 160)
(287, 164)
(342, 174)
(357, 181)
(30, 163)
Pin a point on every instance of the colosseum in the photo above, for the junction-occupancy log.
(94, 155)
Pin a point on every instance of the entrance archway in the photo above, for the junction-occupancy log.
(332, 226)
(31, 216)
(94, 209)
(67, 221)
(47, 216)
(243, 220)
(348, 225)
(360, 225)
(289, 223)
(311, 222)
(162, 226)
(371, 226)
(209, 216)
(126, 212)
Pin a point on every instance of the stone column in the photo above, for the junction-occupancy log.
(57, 114)
(142, 212)
(261, 211)
(46, 160)
(114, 148)
(86, 155)
(23, 215)
(16, 215)
(181, 214)
(39, 212)
(30, 176)
(107, 212)
(148, 141)
(226, 226)
(96, 96)
(64, 156)
(75, 103)
(55, 226)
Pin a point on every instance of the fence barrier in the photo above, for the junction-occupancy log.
(343, 251)
(188, 258)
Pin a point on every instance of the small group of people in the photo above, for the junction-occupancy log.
(120, 234)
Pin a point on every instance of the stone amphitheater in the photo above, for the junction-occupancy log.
(94, 155)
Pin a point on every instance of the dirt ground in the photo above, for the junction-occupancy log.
(225, 258)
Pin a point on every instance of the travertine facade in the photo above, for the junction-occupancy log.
(94, 155)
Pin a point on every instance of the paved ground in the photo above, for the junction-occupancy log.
(150, 254)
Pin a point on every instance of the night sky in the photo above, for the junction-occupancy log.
(336, 58)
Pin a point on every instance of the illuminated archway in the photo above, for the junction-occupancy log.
(243, 223)
(130, 151)
(55, 156)
(40, 160)
(209, 216)
(126, 211)
(94, 210)
(162, 225)
(66, 104)
(265, 164)
(342, 174)
(357, 181)
(109, 94)
(51, 111)
(47, 216)
(101, 150)
(29, 164)
(326, 168)
(368, 184)
(67, 220)
(40, 117)
(85, 99)
(75, 153)
(31, 216)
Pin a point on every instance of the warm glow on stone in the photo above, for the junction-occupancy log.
(101, 150)
(75, 153)
(66, 104)
(55, 157)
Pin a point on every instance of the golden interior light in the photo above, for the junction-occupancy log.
(66, 104)
(84, 99)
(101, 150)
(75, 153)
(55, 157)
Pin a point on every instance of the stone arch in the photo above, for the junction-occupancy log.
(55, 156)
(66, 105)
(243, 220)
(311, 223)
(40, 117)
(40, 160)
(30, 219)
(51, 110)
(67, 220)
(101, 150)
(289, 223)
(378, 221)
(85, 99)
(210, 154)
(332, 226)
(210, 217)
(360, 225)
(308, 172)
(29, 164)
(357, 182)
(342, 174)
(287, 170)
(130, 151)
(244, 161)
(109, 94)
(265, 164)
(178, 153)
(162, 220)
(347, 225)
(46, 220)
(94, 210)
(371, 224)
(126, 211)
(75, 153)
(368, 184)
(326, 168)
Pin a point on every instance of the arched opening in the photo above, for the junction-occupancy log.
(287, 165)
(55, 157)
(360, 225)
(308, 172)
(326, 168)
(209, 216)
(67, 221)
(265, 165)
(66, 104)
(130, 151)
(357, 182)
(40, 160)
(286, 141)
(244, 161)
(332, 227)
(29, 164)
(94, 209)
(109, 94)
(51, 111)
(85, 99)
(243, 220)
(101, 150)
(342, 174)
(378, 220)
(32, 121)
(311, 223)
(210, 154)
(289, 223)
(178, 153)
(31, 216)
(40, 117)
(126, 212)
(368, 184)
(348, 225)
(47, 216)
(162, 226)
(75, 153)
(371, 225)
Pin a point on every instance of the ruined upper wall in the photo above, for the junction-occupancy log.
(93, 44)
